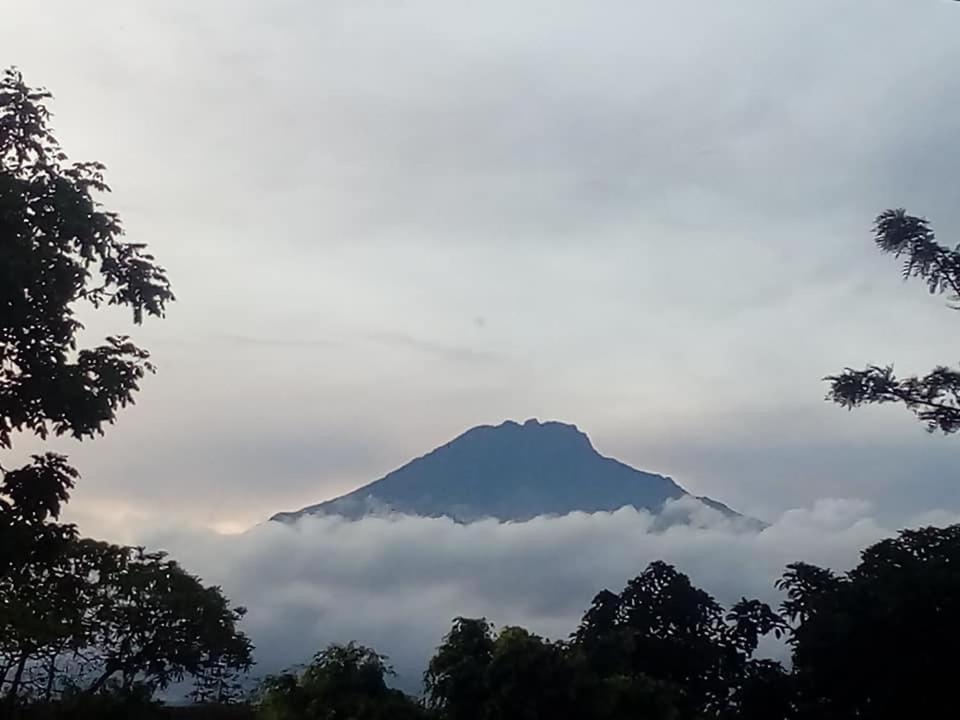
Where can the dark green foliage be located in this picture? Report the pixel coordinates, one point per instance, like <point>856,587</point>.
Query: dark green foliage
<point>456,680</point>
<point>665,630</point>
<point>528,677</point>
<point>343,681</point>
<point>116,707</point>
<point>910,237</point>
<point>765,691</point>
<point>100,617</point>
<point>661,649</point>
<point>935,397</point>
<point>60,248</point>
<point>676,634</point>
<point>623,697</point>
<point>233,711</point>
<point>514,675</point>
<point>30,499</point>
<point>598,640</point>
<point>93,707</point>
<point>87,629</point>
<point>211,711</point>
<point>873,644</point>
<point>877,643</point>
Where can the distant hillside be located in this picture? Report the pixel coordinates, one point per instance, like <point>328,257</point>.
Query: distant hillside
<point>510,472</point>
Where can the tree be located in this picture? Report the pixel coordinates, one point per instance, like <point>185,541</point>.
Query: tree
<point>155,623</point>
<point>677,632</point>
<point>935,397</point>
<point>518,675</point>
<point>456,680</point>
<point>77,615</point>
<point>667,635</point>
<point>878,642</point>
<point>104,616</point>
<point>529,678</point>
<point>59,250</point>
<point>342,681</point>
<point>598,638</point>
<point>765,691</point>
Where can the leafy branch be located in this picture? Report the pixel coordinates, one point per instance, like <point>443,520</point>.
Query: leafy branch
<point>935,397</point>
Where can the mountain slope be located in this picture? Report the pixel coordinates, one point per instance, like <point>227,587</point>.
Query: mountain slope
<point>510,472</point>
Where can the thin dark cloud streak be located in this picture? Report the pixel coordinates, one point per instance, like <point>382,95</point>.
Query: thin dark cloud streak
<point>382,338</point>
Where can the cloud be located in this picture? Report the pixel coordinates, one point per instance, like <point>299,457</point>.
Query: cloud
<point>396,583</point>
<point>661,211</point>
<point>658,213</point>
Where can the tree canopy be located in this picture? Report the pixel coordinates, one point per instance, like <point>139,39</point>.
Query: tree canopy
<point>78,617</point>
<point>59,249</point>
<point>877,642</point>
<point>872,643</point>
<point>935,397</point>
<point>99,617</point>
<point>342,681</point>
<point>660,649</point>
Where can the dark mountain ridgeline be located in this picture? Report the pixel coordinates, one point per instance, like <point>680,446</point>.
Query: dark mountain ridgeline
<point>510,472</point>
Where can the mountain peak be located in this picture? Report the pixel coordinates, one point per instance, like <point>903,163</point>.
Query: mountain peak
<point>510,472</point>
<point>531,434</point>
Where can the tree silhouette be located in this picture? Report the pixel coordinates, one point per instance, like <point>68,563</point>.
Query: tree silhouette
<point>342,681</point>
<point>875,643</point>
<point>529,678</point>
<point>878,642</point>
<point>59,250</point>
<point>935,397</point>
<point>456,680</point>
<point>79,616</point>
<point>100,616</point>
<point>664,628</point>
<point>518,675</point>
<point>662,649</point>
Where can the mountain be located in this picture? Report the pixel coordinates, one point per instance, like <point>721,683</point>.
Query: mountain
<point>510,472</point>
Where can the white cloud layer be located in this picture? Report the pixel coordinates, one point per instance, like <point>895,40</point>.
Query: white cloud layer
<point>396,583</point>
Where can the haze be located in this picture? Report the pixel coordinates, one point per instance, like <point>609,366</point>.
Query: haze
<point>388,222</point>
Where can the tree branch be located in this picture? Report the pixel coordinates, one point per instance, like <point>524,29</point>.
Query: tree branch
<point>932,398</point>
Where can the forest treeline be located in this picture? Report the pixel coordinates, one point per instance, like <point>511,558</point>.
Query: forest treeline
<point>90,629</point>
<point>876,642</point>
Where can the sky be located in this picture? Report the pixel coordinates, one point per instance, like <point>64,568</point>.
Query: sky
<point>387,222</point>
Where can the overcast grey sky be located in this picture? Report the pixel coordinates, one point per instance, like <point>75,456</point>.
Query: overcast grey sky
<point>388,222</point>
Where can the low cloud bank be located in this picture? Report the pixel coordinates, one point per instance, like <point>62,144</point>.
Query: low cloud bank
<point>395,583</point>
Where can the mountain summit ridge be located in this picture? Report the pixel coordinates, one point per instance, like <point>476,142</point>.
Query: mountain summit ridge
<point>510,472</point>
